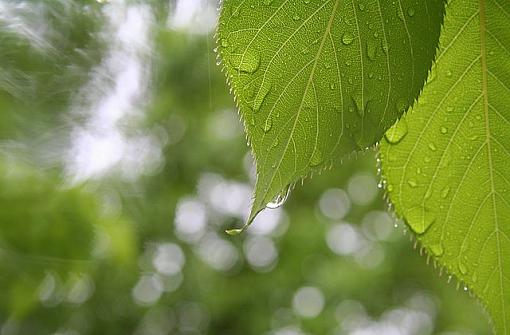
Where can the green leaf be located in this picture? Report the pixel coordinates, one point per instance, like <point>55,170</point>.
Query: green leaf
<point>318,79</point>
<point>446,164</point>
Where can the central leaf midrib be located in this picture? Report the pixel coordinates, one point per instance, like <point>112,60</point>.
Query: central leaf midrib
<point>310,78</point>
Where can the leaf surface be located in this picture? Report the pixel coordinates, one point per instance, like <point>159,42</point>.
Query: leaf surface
<point>447,163</point>
<point>318,79</point>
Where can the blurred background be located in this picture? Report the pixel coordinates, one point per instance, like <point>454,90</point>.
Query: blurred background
<point>122,162</point>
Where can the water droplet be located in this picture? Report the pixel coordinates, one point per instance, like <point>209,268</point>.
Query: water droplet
<point>420,219</point>
<point>372,49</point>
<point>412,183</point>
<point>389,188</point>
<point>444,130</point>
<point>437,250</point>
<point>358,103</point>
<point>432,147</point>
<point>410,12</point>
<point>445,191</point>
<point>280,198</point>
<point>428,194</point>
<point>275,143</point>
<point>268,124</point>
<point>397,132</point>
<point>261,95</point>
<point>247,62</point>
<point>463,268</point>
<point>347,38</point>
<point>448,73</point>
<point>332,86</point>
<point>316,158</point>
<point>224,43</point>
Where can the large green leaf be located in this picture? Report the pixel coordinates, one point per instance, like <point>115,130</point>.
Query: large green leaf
<point>318,79</point>
<point>447,163</point>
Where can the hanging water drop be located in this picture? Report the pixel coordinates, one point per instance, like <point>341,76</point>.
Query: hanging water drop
<point>280,198</point>
<point>234,232</point>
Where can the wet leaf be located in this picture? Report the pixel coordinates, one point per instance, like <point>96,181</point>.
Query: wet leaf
<point>317,80</point>
<point>449,176</point>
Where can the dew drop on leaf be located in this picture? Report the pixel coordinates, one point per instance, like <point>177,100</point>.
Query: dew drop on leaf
<point>372,49</point>
<point>419,219</point>
<point>247,62</point>
<point>316,158</point>
<point>445,191</point>
<point>463,268</point>
<point>437,250</point>
<point>397,132</point>
<point>280,198</point>
<point>261,96</point>
<point>347,38</point>
<point>358,103</point>
<point>268,124</point>
<point>410,12</point>
<point>412,183</point>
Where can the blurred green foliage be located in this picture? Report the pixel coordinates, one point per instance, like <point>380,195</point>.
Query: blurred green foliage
<point>148,254</point>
